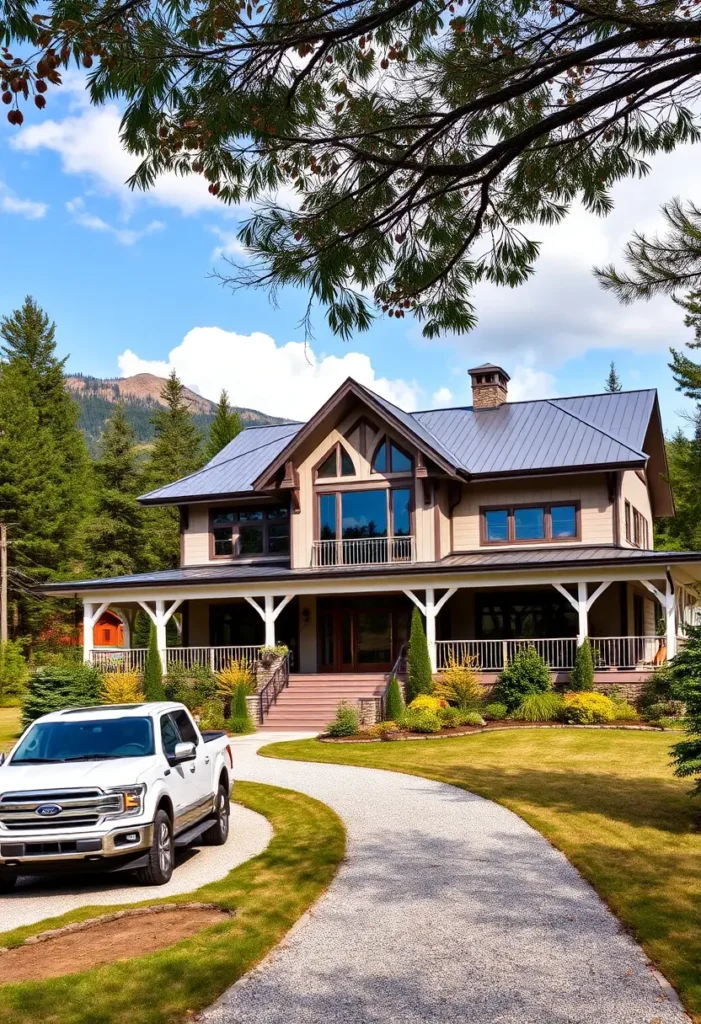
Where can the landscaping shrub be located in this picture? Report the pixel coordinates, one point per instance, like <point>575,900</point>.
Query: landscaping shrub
<point>212,715</point>
<point>625,712</point>
<point>192,687</point>
<point>395,703</point>
<point>153,671</point>
<point>450,717</point>
<point>121,688</point>
<point>588,708</point>
<point>346,722</point>
<point>13,673</point>
<point>471,718</point>
<point>459,684</point>
<point>427,702</point>
<point>667,709</point>
<point>662,686</point>
<point>539,707</point>
<point>495,712</point>
<point>582,675</point>
<point>381,730</point>
<point>526,673</point>
<point>240,721</point>
<point>421,720</point>
<point>686,680</point>
<point>52,689</point>
<point>419,674</point>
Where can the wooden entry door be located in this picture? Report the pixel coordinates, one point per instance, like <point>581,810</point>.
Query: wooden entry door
<point>363,637</point>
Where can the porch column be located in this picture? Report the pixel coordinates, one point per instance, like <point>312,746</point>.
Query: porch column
<point>583,610</point>
<point>91,616</point>
<point>269,614</point>
<point>670,617</point>
<point>160,618</point>
<point>430,609</point>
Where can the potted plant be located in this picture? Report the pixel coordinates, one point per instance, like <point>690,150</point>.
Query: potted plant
<point>268,655</point>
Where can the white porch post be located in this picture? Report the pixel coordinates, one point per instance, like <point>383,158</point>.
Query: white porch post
<point>670,617</point>
<point>269,620</point>
<point>126,630</point>
<point>430,610</point>
<point>161,642</point>
<point>91,615</point>
<point>583,631</point>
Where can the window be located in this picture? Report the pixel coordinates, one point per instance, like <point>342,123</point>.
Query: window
<point>530,523</point>
<point>637,527</point>
<point>188,733</point>
<point>359,514</point>
<point>106,635</point>
<point>628,518</point>
<point>337,463</point>
<point>169,735</point>
<point>389,458</point>
<point>250,531</point>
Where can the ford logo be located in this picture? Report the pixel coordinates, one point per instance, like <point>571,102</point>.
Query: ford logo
<point>49,810</point>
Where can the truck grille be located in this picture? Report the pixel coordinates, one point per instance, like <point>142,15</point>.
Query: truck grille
<point>78,808</point>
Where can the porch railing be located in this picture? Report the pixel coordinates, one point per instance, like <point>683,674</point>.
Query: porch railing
<point>628,651</point>
<point>611,652</point>
<point>119,659</point>
<point>363,551</point>
<point>272,689</point>
<point>213,658</point>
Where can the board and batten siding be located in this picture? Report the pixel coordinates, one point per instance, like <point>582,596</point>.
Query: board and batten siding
<point>634,490</point>
<point>195,539</point>
<point>591,491</point>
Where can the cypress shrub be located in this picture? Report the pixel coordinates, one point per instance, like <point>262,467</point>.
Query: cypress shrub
<point>240,721</point>
<point>153,672</point>
<point>419,675</point>
<point>582,675</point>
<point>395,704</point>
<point>55,688</point>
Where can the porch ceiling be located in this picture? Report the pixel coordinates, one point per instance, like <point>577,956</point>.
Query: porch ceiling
<point>569,563</point>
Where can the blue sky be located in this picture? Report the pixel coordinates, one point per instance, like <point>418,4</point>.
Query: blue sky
<point>125,277</point>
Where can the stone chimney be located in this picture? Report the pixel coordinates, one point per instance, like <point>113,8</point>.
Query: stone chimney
<point>490,386</point>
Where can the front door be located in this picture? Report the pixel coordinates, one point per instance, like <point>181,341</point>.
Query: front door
<point>361,637</point>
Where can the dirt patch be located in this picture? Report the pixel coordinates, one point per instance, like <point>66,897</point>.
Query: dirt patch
<point>103,941</point>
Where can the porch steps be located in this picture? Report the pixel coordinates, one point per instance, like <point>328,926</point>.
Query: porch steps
<point>310,701</point>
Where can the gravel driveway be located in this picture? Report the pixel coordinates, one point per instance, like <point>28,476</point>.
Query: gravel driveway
<point>36,898</point>
<point>448,908</point>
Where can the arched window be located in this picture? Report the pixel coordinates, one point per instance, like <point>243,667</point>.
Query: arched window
<point>337,463</point>
<point>390,458</point>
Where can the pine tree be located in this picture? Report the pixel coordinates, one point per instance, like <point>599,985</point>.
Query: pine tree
<point>153,671</point>
<point>419,674</point>
<point>613,381</point>
<point>682,531</point>
<point>582,674</point>
<point>686,674</point>
<point>177,451</point>
<point>225,426</point>
<point>115,534</point>
<point>395,705</point>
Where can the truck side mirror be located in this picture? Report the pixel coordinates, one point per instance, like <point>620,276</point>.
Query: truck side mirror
<point>183,752</point>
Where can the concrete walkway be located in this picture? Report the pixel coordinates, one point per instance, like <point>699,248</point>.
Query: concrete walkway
<point>448,909</point>
<point>36,898</point>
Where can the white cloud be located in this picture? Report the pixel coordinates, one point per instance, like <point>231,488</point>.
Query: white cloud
<point>527,383</point>
<point>28,208</point>
<point>229,246</point>
<point>125,236</point>
<point>442,396</point>
<point>286,380</point>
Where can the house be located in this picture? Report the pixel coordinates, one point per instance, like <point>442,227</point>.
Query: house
<point>108,631</point>
<point>503,522</point>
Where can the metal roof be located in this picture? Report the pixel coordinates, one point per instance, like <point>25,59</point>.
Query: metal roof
<point>589,431</point>
<point>233,470</point>
<point>468,562</point>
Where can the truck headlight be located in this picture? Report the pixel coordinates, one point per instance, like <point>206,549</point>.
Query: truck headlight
<point>132,800</point>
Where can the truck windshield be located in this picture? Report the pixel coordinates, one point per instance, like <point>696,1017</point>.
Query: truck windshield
<point>59,742</point>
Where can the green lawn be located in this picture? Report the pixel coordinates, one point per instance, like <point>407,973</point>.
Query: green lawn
<point>268,894</point>
<point>607,799</point>
<point>10,727</point>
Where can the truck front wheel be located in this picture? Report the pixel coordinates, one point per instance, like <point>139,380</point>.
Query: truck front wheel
<point>8,880</point>
<point>159,869</point>
<point>218,833</point>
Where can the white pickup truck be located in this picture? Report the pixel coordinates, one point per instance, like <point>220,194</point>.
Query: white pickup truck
<point>112,788</point>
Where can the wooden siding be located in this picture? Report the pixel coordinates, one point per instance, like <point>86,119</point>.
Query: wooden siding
<point>195,540</point>
<point>590,490</point>
<point>634,490</point>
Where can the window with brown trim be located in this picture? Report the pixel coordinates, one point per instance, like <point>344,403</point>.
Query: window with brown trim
<point>390,458</point>
<point>628,521</point>
<point>637,527</point>
<point>244,532</point>
<point>357,514</point>
<point>531,524</point>
<point>337,463</point>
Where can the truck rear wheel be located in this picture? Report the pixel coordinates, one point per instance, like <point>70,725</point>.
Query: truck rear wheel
<point>218,833</point>
<point>8,880</point>
<point>159,869</point>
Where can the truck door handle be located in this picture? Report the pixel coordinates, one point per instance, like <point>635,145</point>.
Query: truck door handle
<point>206,760</point>
<point>193,769</point>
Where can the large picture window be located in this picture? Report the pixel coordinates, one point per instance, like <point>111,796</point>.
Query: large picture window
<point>525,524</point>
<point>353,515</point>
<point>241,533</point>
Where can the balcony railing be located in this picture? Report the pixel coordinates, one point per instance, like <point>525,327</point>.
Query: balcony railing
<point>119,659</point>
<point>612,652</point>
<point>214,658</point>
<point>363,551</point>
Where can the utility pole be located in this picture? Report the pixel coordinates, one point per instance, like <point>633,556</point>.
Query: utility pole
<point>3,583</point>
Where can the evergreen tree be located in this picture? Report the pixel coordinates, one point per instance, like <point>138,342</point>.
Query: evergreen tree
<point>686,674</point>
<point>582,674</point>
<point>225,426</point>
<point>395,705</point>
<point>115,536</point>
<point>613,381</point>
<point>419,674</point>
<point>177,451</point>
<point>682,532</point>
<point>153,671</point>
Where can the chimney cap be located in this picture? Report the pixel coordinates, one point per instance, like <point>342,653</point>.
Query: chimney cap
<point>489,368</point>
